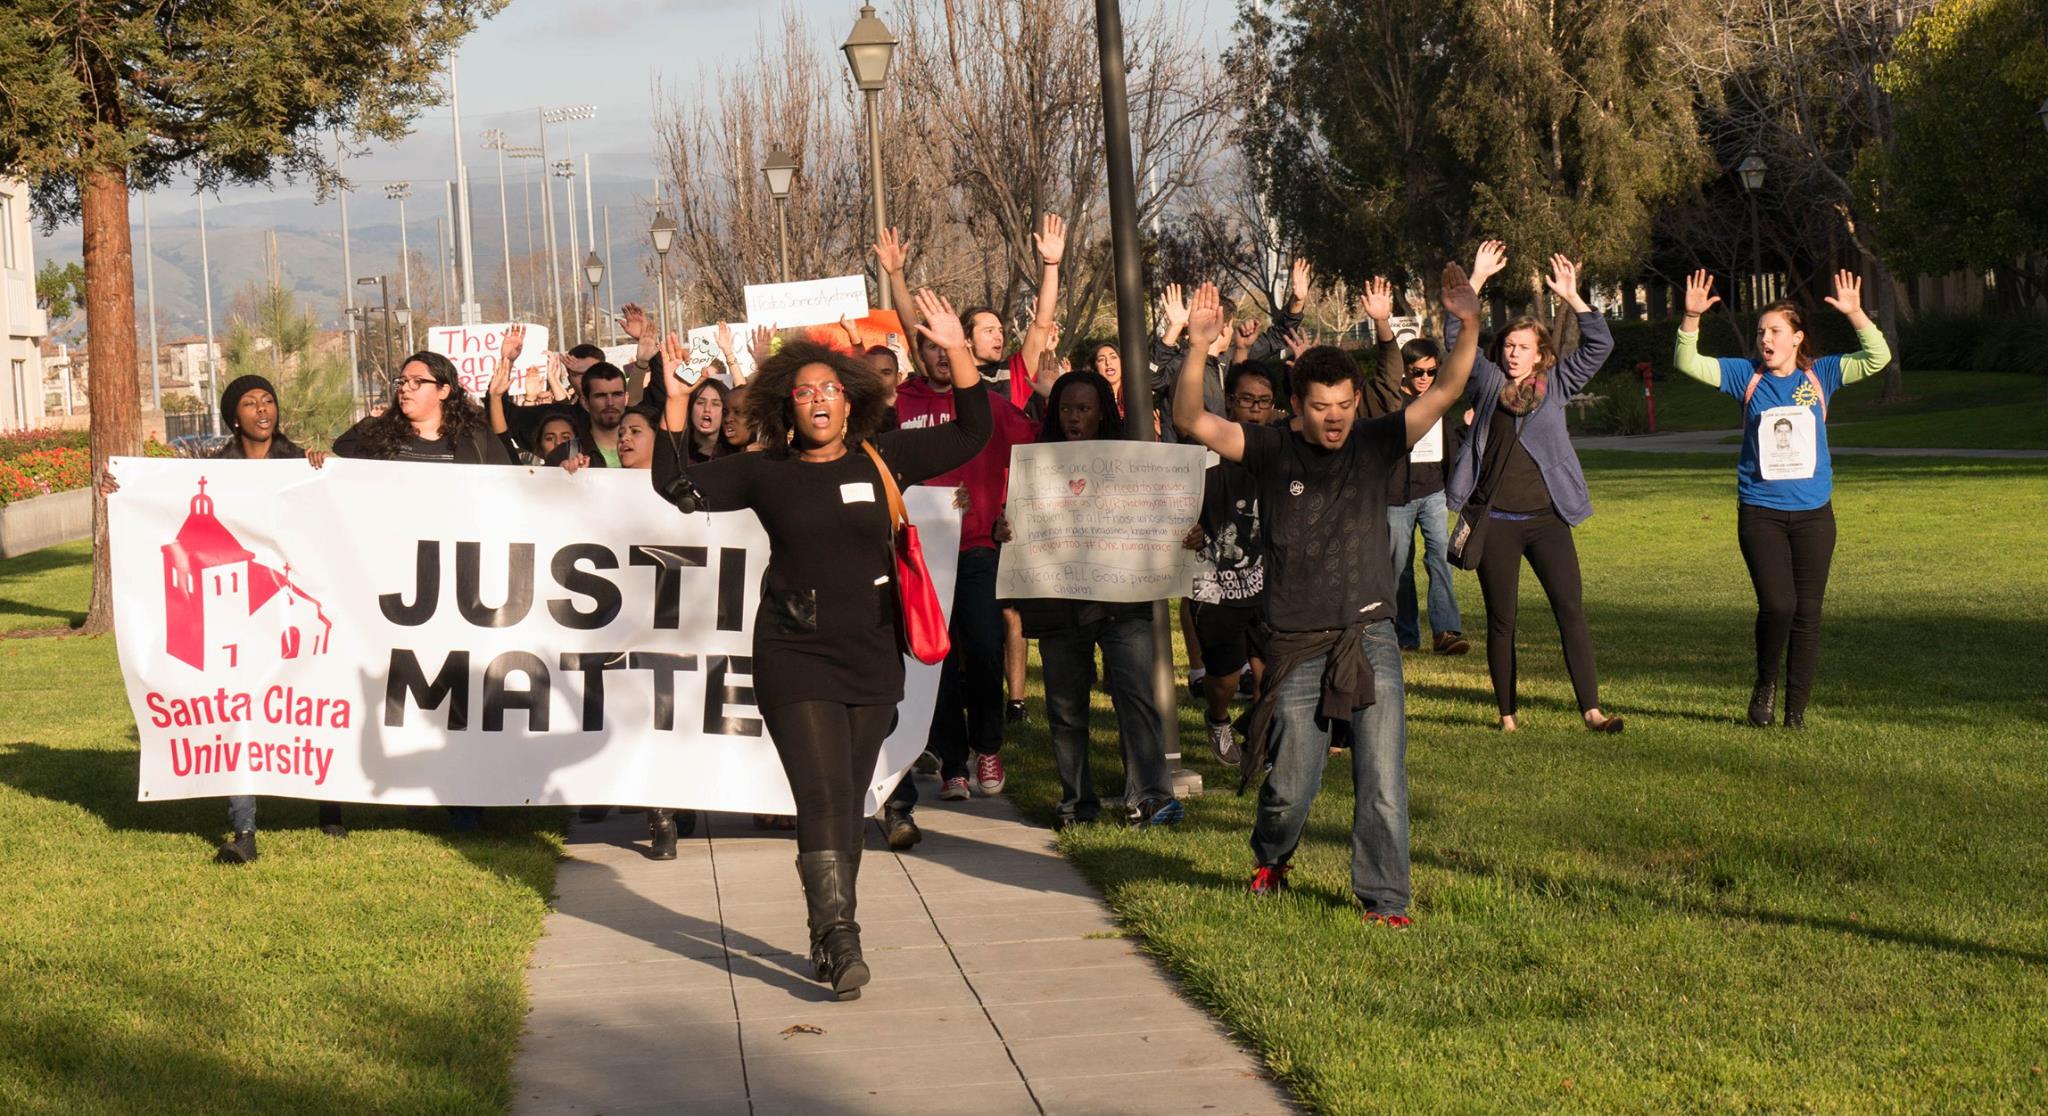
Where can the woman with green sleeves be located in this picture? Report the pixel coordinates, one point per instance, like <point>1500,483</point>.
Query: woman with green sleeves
<point>1784,481</point>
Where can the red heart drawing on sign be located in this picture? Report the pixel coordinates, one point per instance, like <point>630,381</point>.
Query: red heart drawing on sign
<point>1077,485</point>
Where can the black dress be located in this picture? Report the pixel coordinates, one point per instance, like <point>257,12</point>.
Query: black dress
<point>828,624</point>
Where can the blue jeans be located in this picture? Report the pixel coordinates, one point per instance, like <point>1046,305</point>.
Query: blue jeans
<point>1379,774</point>
<point>1067,662</point>
<point>1431,514</point>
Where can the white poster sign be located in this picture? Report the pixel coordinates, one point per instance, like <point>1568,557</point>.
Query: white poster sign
<point>1787,447</point>
<point>1429,448</point>
<point>810,302</point>
<point>703,342</point>
<point>1101,521</point>
<point>494,636</point>
<point>474,349</point>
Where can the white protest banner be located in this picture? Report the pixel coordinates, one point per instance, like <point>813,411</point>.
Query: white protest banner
<point>1101,521</point>
<point>810,302</point>
<point>474,349</point>
<point>456,634</point>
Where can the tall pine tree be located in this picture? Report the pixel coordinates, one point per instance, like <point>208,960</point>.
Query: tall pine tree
<point>102,96</point>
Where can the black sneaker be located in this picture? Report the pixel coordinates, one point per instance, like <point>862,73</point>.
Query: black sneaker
<point>1763,700</point>
<point>240,849</point>
<point>330,820</point>
<point>1015,713</point>
<point>900,830</point>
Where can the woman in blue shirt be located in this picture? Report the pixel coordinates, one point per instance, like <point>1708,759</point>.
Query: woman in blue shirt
<point>1784,482</point>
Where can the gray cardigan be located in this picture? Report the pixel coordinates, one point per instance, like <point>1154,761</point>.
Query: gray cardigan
<point>1542,430</point>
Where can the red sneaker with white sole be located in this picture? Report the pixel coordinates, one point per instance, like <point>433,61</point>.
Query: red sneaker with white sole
<point>989,777</point>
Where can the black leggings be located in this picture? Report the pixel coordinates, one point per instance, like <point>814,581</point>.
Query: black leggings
<point>1547,542</point>
<point>828,751</point>
<point>1788,553</point>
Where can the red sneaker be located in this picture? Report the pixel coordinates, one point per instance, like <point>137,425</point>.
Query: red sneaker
<point>953,790</point>
<point>1391,922</point>
<point>988,775</point>
<point>1270,879</point>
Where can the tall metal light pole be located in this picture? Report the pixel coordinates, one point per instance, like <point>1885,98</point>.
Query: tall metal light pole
<point>384,296</point>
<point>398,192</point>
<point>156,378</point>
<point>868,49</point>
<point>547,204</point>
<point>533,301</point>
<point>1751,171</point>
<point>348,279</point>
<point>780,170</point>
<point>611,286</point>
<point>206,282</point>
<point>565,169</point>
<point>1130,326</point>
<point>663,233</point>
<point>459,220</point>
<point>494,140</point>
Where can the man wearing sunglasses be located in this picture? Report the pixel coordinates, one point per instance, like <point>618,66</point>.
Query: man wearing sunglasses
<point>1415,498</point>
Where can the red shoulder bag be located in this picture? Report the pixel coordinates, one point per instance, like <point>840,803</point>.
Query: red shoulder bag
<point>924,622</point>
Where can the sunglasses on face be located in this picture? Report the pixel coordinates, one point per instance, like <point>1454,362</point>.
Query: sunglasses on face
<point>806,393</point>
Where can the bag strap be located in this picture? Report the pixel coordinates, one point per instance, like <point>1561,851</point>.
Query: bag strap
<point>1758,377</point>
<point>897,516</point>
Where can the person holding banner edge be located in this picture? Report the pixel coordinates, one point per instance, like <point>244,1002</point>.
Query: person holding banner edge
<point>828,660</point>
<point>1331,651</point>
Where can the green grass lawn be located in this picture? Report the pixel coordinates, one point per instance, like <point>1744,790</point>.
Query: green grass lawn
<point>1694,915</point>
<point>381,973</point>
<point>1690,916</point>
<point>1942,410</point>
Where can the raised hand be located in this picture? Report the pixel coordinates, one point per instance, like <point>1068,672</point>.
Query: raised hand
<point>723,337</point>
<point>675,358</point>
<point>940,323</point>
<point>1298,279</point>
<point>852,334</point>
<point>1699,293</point>
<point>890,252</point>
<point>633,320</point>
<point>558,377</point>
<point>1174,306</point>
<point>1298,342</point>
<point>1490,260</point>
<point>1051,239</point>
<point>1564,277</point>
<point>512,344</point>
<point>1459,297</point>
<point>1205,317</point>
<point>1377,303</point>
<point>1848,296</point>
<point>763,344</point>
<point>501,376</point>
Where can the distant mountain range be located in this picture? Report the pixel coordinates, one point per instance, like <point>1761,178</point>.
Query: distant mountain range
<point>309,247</point>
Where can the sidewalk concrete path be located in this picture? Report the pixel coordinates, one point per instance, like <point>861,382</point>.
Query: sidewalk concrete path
<point>1713,441</point>
<point>1000,986</point>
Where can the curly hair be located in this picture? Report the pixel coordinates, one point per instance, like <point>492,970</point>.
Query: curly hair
<point>771,412</point>
<point>1105,398</point>
<point>460,417</point>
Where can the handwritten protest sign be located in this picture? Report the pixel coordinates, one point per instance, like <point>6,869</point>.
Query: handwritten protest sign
<point>1101,521</point>
<point>474,349</point>
<point>809,302</point>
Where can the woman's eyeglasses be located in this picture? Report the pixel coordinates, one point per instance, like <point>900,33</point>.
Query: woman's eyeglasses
<point>806,393</point>
<point>409,383</point>
<point>1253,402</point>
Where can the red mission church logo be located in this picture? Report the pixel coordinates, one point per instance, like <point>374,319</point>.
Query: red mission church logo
<point>217,597</point>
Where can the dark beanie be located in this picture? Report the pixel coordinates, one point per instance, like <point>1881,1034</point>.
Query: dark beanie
<point>231,398</point>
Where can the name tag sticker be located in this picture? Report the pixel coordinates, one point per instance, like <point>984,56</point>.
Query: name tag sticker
<point>860,492</point>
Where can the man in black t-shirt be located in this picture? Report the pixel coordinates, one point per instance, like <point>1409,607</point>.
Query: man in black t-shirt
<point>1331,652</point>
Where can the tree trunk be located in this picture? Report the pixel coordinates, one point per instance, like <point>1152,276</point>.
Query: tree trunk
<point>1888,320</point>
<point>110,337</point>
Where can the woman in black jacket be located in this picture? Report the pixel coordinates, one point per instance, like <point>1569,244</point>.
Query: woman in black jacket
<point>828,661</point>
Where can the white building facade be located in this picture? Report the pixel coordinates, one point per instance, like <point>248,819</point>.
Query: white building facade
<point>22,323</point>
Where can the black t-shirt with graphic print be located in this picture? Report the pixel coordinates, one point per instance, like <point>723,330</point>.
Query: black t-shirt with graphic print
<point>1326,523</point>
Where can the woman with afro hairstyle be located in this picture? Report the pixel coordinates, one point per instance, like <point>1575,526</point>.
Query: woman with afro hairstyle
<point>828,659</point>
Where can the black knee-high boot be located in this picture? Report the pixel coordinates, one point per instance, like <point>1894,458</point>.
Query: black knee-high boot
<point>828,877</point>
